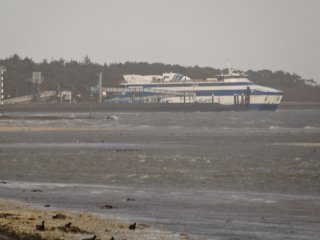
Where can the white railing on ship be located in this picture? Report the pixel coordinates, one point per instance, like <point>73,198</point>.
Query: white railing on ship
<point>150,90</point>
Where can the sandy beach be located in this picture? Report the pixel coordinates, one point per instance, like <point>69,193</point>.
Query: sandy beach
<point>22,221</point>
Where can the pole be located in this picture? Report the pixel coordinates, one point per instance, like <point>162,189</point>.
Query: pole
<point>100,87</point>
<point>38,94</point>
<point>90,102</point>
<point>33,90</point>
<point>248,97</point>
<point>2,70</point>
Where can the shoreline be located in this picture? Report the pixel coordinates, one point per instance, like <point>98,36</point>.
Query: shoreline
<point>22,220</point>
<point>267,209</point>
<point>85,107</point>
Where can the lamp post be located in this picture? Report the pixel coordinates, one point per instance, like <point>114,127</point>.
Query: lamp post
<point>91,95</point>
<point>2,70</point>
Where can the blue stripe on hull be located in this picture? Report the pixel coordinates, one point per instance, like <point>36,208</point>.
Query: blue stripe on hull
<point>186,84</point>
<point>205,93</point>
<point>232,92</point>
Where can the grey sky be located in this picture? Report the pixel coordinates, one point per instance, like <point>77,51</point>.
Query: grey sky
<point>250,34</point>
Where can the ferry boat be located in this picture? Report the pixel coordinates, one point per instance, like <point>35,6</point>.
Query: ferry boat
<point>231,91</point>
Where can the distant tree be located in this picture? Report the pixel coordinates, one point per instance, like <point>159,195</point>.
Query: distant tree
<point>78,77</point>
<point>86,61</point>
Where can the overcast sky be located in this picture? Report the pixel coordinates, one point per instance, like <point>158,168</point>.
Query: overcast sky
<point>250,34</point>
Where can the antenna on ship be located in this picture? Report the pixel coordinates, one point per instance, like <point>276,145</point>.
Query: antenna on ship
<point>230,69</point>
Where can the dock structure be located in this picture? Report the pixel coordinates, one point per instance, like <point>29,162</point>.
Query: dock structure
<point>242,101</point>
<point>28,98</point>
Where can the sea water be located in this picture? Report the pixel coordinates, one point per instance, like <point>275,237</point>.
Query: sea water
<point>221,175</point>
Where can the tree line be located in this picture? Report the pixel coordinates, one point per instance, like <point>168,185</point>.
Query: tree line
<point>79,76</point>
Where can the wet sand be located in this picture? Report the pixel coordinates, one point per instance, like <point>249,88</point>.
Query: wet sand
<point>21,221</point>
<point>228,214</point>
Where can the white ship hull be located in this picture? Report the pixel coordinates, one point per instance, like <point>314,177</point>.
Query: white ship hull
<point>227,90</point>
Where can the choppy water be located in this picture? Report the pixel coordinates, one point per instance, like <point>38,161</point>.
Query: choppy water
<point>283,119</point>
<point>214,174</point>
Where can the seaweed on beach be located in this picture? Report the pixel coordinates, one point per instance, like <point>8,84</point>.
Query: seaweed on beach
<point>69,228</point>
<point>20,221</point>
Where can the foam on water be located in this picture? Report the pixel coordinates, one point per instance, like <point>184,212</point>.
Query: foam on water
<point>144,177</point>
<point>298,144</point>
<point>243,122</point>
<point>95,145</point>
